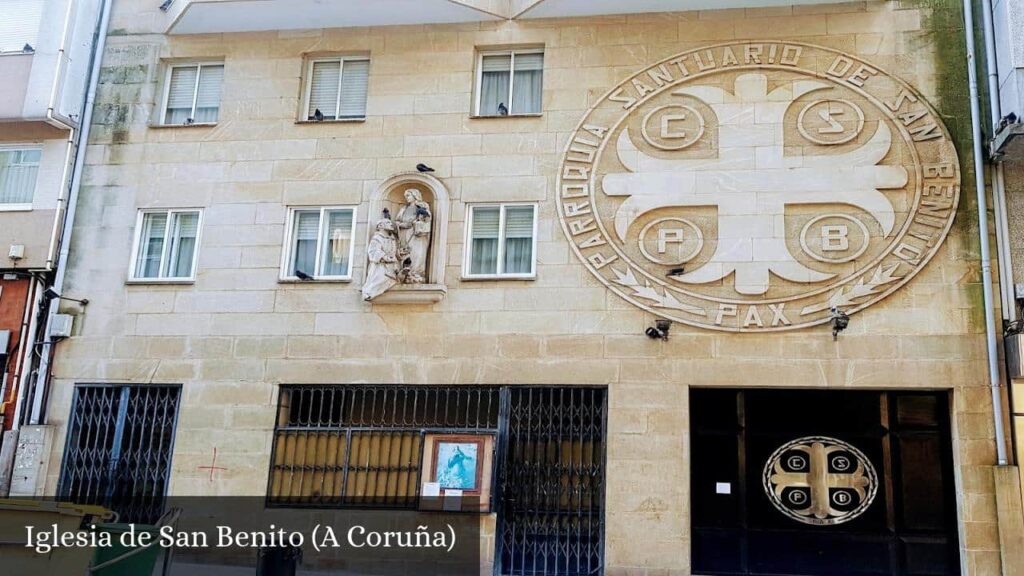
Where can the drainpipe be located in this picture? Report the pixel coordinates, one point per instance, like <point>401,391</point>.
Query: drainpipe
<point>986,263</point>
<point>96,60</point>
<point>54,118</point>
<point>1009,300</point>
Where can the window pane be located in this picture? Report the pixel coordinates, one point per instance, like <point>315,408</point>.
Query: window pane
<point>337,243</point>
<point>518,240</point>
<point>354,80</point>
<point>494,79</point>
<point>484,241</point>
<point>180,94</point>
<point>20,24</point>
<point>307,224</point>
<point>18,172</point>
<point>184,230</point>
<point>528,87</point>
<point>211,79</point>
<point>323,91</point>
<point>151,245</point>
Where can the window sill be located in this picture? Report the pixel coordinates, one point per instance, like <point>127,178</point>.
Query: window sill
<point>159,281</point>
<point>499,278</point>
<point>314,281</point>
<point>15,207</point>
<point>506,116</point>
<point>193,125</point>
<point>338,121</point>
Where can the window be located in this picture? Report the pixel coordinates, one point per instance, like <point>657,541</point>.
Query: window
<point>19,28</point>
<point>166,244</point>
<point>336,89</point>
<point>319,244</point>
<point>192,93</point>
<point>502,241</point>
<point>18,170</point>
<point>356,445</point>
<point>510,83</point>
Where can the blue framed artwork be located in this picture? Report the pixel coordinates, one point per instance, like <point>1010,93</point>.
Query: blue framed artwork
<point>459,466</point>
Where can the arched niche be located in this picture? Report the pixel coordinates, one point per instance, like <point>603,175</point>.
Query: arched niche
<point>390,194</point>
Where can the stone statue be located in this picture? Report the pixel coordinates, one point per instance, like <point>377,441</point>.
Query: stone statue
<point>382,253</point>
<point>414,226</point>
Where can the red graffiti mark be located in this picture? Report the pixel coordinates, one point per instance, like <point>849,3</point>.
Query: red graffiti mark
<point>213,465</point>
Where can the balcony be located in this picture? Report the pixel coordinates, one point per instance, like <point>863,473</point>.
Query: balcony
<point>214,16</point>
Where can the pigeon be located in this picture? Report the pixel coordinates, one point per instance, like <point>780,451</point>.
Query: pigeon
<point>423,168</point>
<point>28,48</point>
<point>502,109</point>
<point>676,271</point>
<point>302,275</point>
<point>318,115</point>
<point>386,214</point>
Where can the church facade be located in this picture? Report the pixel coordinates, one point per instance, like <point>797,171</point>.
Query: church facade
<point>668,293</point>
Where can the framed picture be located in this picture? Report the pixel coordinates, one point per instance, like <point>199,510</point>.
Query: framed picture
<point>457,472</point>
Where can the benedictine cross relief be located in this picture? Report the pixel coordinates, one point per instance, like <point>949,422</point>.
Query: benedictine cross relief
<point>213,468</point>
<point>752,180</point>
<point>819,480</point>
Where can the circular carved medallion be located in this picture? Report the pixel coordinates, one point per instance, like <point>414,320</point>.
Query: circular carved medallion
<point>820,481</point>
<point>785,179</point>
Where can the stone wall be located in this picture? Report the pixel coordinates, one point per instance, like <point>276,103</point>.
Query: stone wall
<point>237,332</point>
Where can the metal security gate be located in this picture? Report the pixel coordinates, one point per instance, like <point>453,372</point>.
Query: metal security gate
<point>118,450</point>
<point>551,492</point>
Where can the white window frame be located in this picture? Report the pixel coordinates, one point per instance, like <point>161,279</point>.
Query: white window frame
<point>287,275</point>
<point>511,81</point>
<point>195,91</point>
<point>22,206</point>
<point>308,88</point>
<point>133,264</point>
<point>467,258</point>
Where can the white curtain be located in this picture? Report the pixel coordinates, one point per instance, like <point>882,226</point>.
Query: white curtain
<point>354,78</point>
<point>184,229</point>
<point>151,245</point>
<point>518,240</point>
<point>494,84</point>
<point>180,94</point>
<point>527,90</point>
<point>484,241</point>
<point>336,243</point>
<point>18,172</point>
<point>323,89</point>
<point>211,79</point>
<point>307,225</point>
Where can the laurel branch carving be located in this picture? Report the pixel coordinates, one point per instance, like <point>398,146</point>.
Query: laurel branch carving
<point>881,277</point>
<point>648,292</point>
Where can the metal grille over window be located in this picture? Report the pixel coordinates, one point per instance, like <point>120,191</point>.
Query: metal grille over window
<point>361,446</point>
<point>118,452</point>
<point>550,516</point>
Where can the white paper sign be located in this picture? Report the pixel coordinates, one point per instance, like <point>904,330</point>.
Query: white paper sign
<point>452,500</point>
<point>723,488</point>
<point>431,489</point>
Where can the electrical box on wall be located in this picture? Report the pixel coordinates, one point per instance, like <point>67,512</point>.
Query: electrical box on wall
<point>16,252</point>
<point>1014,355</point>
<point>61,326</point>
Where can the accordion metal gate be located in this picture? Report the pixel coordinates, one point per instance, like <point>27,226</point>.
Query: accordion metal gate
<point>118,450</point>
<point>551,492</point>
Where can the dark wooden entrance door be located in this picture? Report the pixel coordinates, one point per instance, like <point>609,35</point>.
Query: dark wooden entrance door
<point>907,528</point>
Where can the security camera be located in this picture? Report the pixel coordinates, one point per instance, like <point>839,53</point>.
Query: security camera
<point>659,330</point>
<point>840,320</point>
